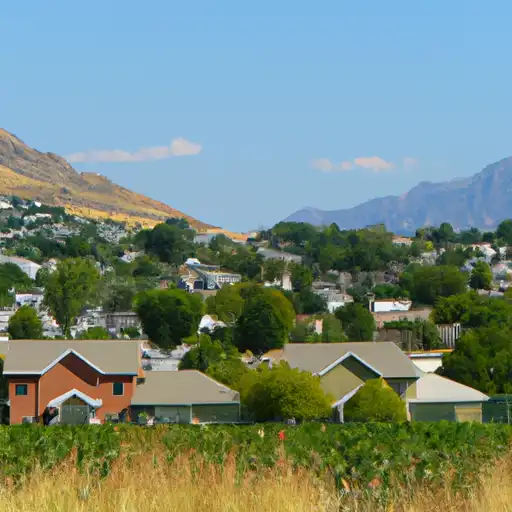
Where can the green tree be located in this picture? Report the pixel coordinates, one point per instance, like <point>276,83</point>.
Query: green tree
<point>273,270</point>
<point>203,354</point>
<point>261,326</point>
<point>25,325</point>
<point>11,276</point>
<point>357,321</point>
<point>132,332</point>
<point>168,316</point>
<point>78,247</point>
<point>42,277</point>
<point>219,361</point>
<point>94,333</point>
<point>169,243</point>
<point>482,359</point>
<point>301,276</point>
<point>332,330</point>
<point>301,332</point>
<point>281,393</point>
<point>228,303</point>
<point>387,291</point>
<point>68,290</point>
<point>310,303</point>
<point>425,284</point>
<point>481,276</point>
<point>375,401</point>
<point>472,310</point>
<point>145,266</point>
<point>504,231</point>
<point>120,299</point>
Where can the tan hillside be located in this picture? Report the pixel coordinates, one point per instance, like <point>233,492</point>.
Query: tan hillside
<point>50,179</point>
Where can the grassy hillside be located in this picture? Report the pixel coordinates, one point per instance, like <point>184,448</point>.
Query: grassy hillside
<point>48,178</point>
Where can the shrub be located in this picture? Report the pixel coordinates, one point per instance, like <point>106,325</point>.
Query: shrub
<point>375,401</point>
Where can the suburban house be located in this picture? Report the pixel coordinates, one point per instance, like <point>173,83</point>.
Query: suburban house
<point>428,361</point>
<point>438,398</point>
<point>344,367</point>
<point>387,305</point>
<point>29,267</point>
<point>187,396</point>
<point>272,254</point>
<point>96,380</point>
<point>381,318</point>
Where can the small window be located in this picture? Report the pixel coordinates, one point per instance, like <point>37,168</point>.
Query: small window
<point>118,389</point>
<point>21,389</point>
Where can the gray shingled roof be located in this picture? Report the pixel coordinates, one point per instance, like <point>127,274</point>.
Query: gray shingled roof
<point>109,356</point>
<point>385,356</point>
<point>186,387</point>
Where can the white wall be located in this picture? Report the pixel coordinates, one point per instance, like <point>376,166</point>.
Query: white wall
<point>397,305</point>
<point>428,364</point>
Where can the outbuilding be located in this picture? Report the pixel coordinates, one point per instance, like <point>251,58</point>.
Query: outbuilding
<point>438,398</point>
<point>186,396</point>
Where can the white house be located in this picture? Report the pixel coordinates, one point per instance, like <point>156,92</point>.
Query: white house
<point>29,267</point>
<point>386,305</point>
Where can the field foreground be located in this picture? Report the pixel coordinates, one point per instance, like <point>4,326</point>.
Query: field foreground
<point>416,467</point>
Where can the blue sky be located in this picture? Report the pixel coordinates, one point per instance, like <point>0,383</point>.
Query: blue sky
<point>249,111</point>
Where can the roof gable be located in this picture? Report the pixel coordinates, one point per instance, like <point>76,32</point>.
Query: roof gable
<point>385,358</point>
<point>184,387</point>
<point>343,358</point>
<point>114,357</point>
<point>431,387</point>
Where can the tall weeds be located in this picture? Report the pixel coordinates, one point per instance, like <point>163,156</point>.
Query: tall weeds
<point>147,483</point>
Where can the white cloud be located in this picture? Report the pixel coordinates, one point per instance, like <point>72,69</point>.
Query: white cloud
<point>323,164</point>
<point>346,166</point>
<point>409,162</point>
<point>178,147</point>
<point>374,163</point>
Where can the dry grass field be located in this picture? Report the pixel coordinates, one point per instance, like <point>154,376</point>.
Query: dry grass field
<point>146,484</point>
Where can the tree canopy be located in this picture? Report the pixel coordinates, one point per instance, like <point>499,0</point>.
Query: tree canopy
<point>281,393</point>
<point>481,276</point>
<point>375,401</point>
<point>25,325</point>
<point>168,316</point>
<point>357,321</point>
<point>220,361</point>
<point>69,288</point>
<point>261,326</point>
<point>169,242</point>
<point>482,359</point>
<point>425,284</point>
<point>472,310</point>
<point>94,333</point>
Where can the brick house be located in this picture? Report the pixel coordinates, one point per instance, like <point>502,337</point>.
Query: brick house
<point>79,377</point>
<point>97,379</point>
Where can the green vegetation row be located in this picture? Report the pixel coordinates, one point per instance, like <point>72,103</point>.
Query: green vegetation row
<point>357,455</point>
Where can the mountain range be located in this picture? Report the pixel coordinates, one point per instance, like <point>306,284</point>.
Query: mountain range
<point>480,201</point>
<point>50,179</point>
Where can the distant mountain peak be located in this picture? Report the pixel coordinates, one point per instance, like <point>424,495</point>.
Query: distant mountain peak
<point>481,201</point>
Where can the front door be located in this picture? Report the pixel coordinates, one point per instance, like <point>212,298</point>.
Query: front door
<point>74,412</point>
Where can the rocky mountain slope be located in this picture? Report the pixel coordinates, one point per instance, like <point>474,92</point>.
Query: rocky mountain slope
<point>48,178</point>
<point>481,201</point>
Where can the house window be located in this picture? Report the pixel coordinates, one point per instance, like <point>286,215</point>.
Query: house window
<point>21,389</point>
<point>118,389</point>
